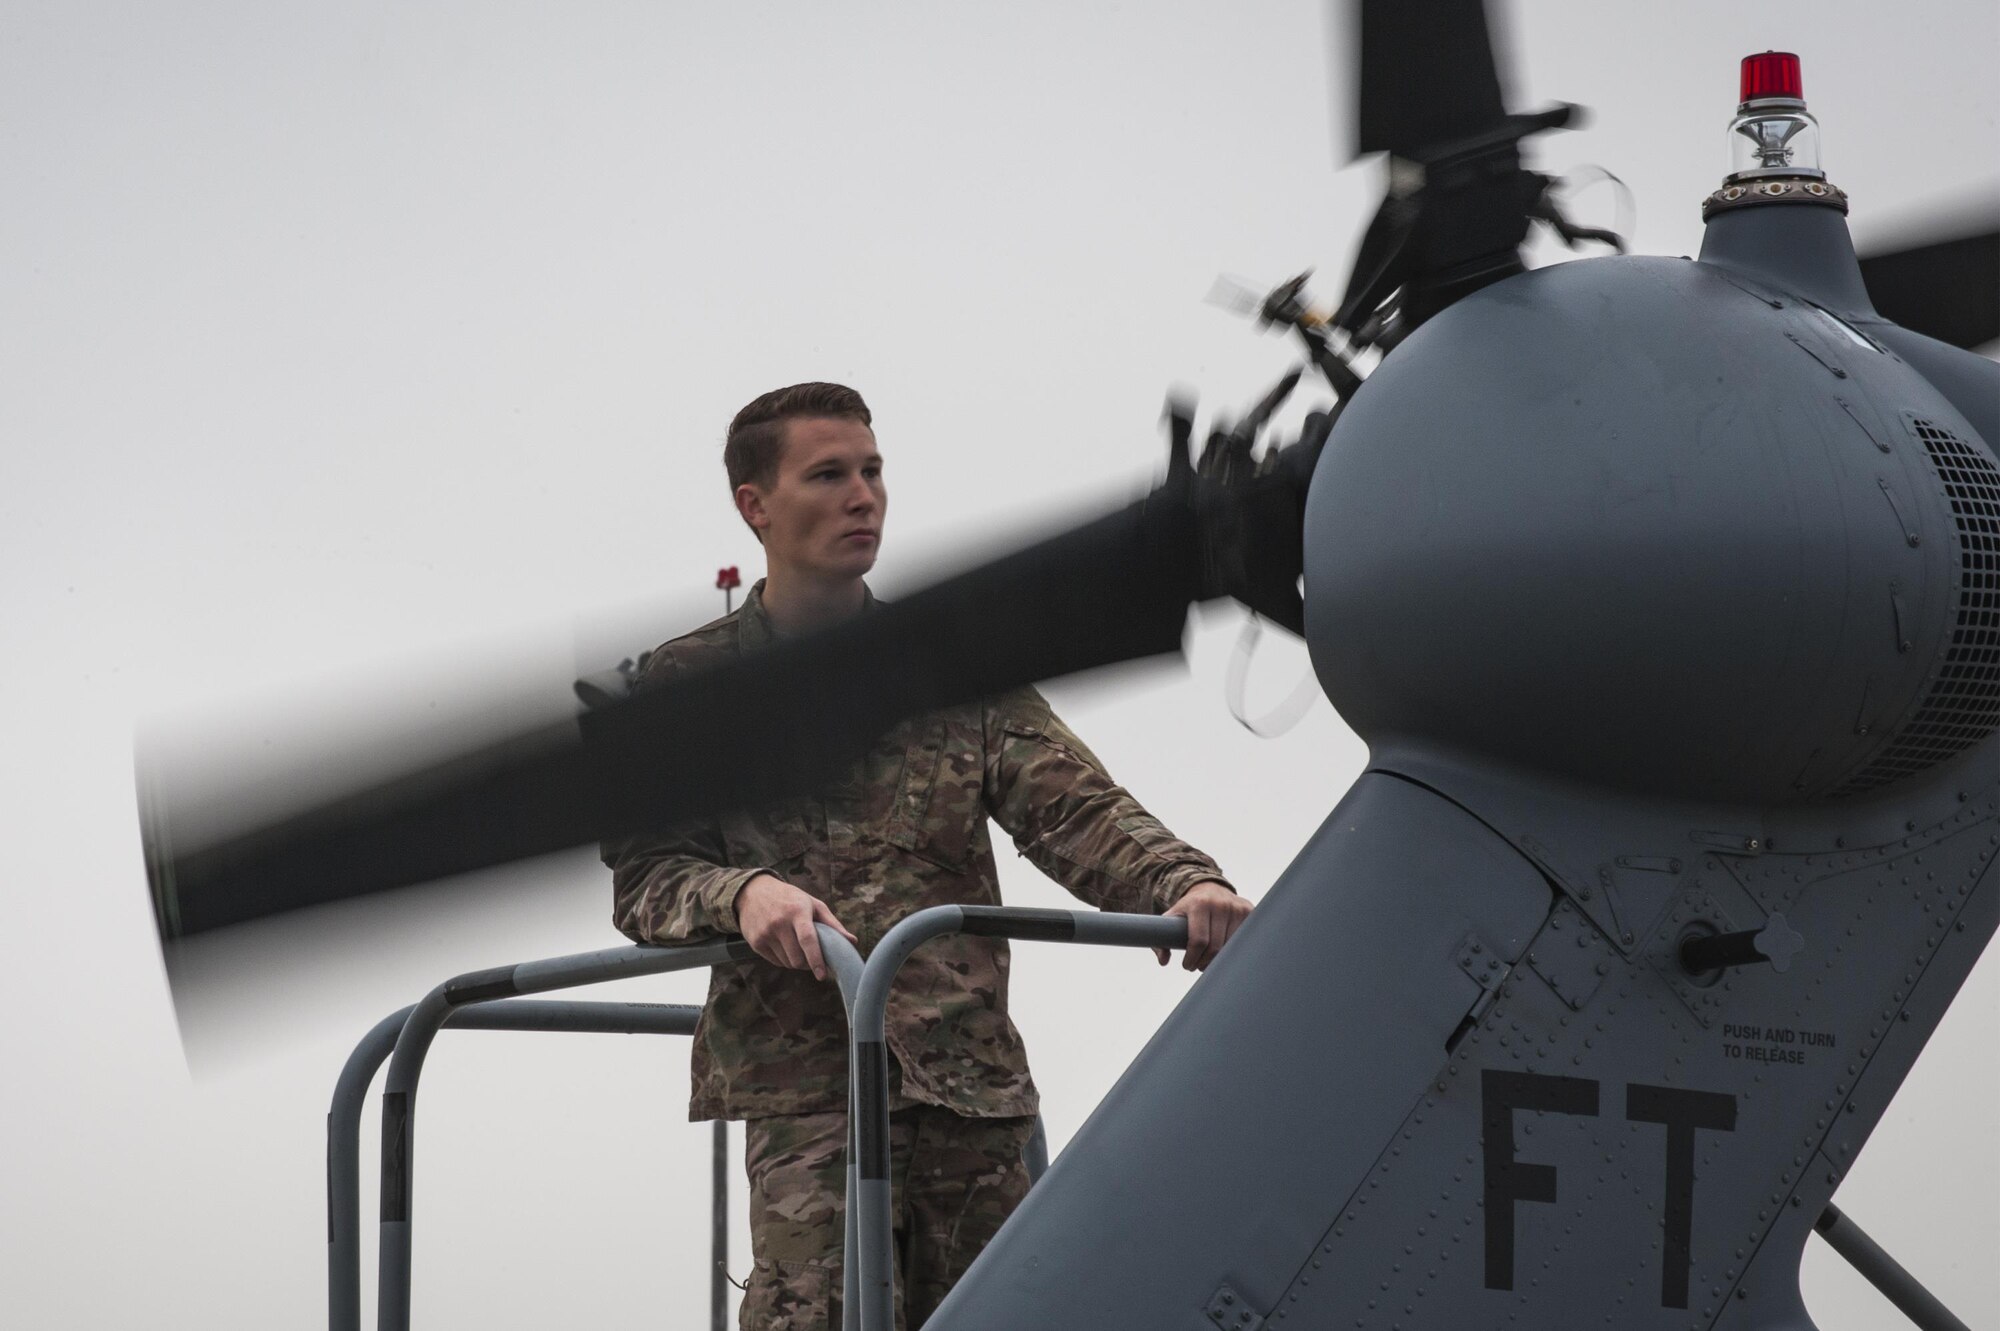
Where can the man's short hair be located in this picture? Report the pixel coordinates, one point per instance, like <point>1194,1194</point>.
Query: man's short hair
<point>757,435</point>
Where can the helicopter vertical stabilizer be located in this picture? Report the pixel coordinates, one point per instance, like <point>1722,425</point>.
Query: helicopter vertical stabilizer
<point>1221,1161</point>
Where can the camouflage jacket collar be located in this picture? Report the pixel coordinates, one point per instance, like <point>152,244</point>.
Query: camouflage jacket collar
<point>753,623</point>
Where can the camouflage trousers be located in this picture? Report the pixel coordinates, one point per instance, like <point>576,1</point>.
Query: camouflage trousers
<point>954,1180</point>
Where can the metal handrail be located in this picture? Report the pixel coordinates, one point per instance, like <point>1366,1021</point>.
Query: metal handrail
<point>413,1041</point>
<point>481,1001</point>
<point>870,1220</point>
<point>343,1119</point>
<point>1885,1273</point>
<point>847,971</point>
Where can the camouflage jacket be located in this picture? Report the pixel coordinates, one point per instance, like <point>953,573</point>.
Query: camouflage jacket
<point>905,829</point>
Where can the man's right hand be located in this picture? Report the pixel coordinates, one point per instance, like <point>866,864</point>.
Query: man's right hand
<point>777,920</point>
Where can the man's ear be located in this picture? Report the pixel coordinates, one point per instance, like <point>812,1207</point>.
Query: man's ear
<point>750,506</point>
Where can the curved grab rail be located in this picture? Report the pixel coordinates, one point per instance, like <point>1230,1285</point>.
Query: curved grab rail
<point>343,1119</point>
<point>413,1042</point>
<point>847,971</point>
<point>868,1208</point>
<point>1885,1273</point>
<point>481,1001</point>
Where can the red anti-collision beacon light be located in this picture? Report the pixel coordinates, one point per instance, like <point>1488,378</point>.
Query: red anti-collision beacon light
<point>1773,140</point>
<point>1772,74</point>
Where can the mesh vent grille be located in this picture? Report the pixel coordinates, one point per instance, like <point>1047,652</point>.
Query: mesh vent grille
<point>1963,704</point>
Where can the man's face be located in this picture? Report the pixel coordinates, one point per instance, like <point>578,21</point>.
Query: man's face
<point>822,513</point>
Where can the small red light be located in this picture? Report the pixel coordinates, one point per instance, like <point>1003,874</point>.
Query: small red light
<point>1772,74</point>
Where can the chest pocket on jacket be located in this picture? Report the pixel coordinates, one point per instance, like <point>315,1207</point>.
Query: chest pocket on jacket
<point>938,806</point>
<point>767,839</point>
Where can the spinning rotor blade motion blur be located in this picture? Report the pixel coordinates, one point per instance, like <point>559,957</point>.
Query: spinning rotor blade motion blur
<point>1947,288</point>
<point>779,722</point>
<point>1459,200</point>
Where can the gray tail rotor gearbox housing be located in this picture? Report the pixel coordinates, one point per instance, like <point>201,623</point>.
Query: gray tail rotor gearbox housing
<point>1644,523</point>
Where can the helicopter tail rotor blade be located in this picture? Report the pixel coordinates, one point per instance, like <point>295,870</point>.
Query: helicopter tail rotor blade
<point>1948,288</point>
<point>780,721</point>
<point>1426,76</point>
<point>1459,200</point>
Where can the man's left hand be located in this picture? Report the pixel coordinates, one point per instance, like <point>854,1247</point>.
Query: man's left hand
<point>1213,913</point>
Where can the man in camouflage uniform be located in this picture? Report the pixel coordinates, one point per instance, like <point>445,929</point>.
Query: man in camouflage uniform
<point>905,829</point>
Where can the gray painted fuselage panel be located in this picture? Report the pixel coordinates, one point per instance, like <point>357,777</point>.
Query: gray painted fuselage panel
<point>1225,1152</point>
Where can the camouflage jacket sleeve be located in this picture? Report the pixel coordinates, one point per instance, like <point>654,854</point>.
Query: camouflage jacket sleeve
<point>1073,821</point>
<point>673,885</point>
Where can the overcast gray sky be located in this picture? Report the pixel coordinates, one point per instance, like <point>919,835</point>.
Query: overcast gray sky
<point>365,337</point>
